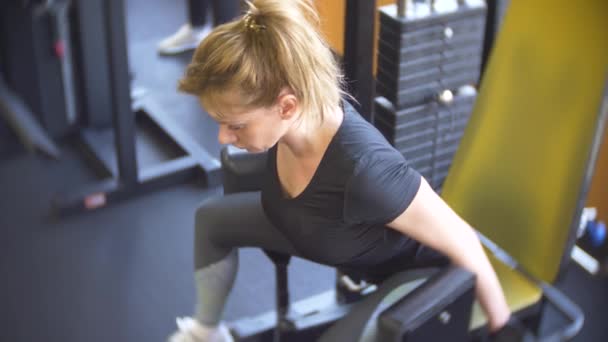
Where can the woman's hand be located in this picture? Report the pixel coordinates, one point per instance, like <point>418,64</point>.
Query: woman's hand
<point>513,331</point>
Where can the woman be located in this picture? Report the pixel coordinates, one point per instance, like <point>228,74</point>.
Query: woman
<point>335,192</point>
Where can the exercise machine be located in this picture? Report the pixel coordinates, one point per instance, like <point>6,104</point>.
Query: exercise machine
<point>106,89</point>
<point>75,74</point>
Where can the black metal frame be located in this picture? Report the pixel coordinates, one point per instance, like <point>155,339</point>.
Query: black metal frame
<point>306,320</point>
<point>495,15</point>
<point>358,56</point>
<point>106,88</point>
<point>598,138</point>
<point>33,66</point>
<point>23,122</point>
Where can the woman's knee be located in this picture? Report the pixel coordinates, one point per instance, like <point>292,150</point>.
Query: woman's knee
<point>207,220</point>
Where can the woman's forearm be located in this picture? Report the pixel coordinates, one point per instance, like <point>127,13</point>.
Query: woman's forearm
<point>489,293</point>
<point>429,220</point>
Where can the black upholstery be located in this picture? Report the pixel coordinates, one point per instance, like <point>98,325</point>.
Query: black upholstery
<point>448,296</point>
<point>242,171</point>
<point>406,301</point>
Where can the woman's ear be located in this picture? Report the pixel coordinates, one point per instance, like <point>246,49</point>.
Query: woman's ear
<point>288,106</point>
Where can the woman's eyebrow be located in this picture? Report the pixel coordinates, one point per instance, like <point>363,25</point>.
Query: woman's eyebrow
<point>221,119</point>
<point>217,116</point>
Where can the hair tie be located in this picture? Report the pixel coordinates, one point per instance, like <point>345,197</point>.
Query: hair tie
<point>251,24</point>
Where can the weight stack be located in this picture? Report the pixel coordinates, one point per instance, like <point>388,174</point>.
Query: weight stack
<point>427,134</point>
<point>429,56</point>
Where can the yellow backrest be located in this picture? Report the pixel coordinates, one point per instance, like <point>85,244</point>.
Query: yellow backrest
<point>519,174</point>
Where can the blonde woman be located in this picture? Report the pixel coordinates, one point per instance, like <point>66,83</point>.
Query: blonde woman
<point>335,191</point>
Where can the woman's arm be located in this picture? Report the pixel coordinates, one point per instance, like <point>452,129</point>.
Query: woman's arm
<point>430,221</point>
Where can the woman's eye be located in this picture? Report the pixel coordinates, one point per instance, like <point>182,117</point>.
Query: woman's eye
<point>235,127</point>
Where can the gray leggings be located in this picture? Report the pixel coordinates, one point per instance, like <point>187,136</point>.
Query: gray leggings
<point>222,224</point>
<point>231,221</point>
<point>225,223</point>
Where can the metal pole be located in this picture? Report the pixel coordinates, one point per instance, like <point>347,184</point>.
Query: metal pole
<point>123,117</point>
<point>359,53</point>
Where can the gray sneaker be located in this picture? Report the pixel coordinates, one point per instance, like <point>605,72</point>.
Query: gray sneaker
<point>185,39</point>
<point>190,330</point>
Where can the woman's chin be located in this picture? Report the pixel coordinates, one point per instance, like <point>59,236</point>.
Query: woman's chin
<point>255,149</point>
<point>251,149</point>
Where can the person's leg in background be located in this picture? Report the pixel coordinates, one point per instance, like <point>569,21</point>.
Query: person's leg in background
<point>189,35</point>
<point>196,29</point>
<point>218,234</point>
<point>197,13</point>
<point>225,10</point>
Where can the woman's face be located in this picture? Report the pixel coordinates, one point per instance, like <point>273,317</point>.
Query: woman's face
<point>255,130</point>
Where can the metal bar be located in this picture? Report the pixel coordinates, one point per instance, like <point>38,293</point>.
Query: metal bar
<point>490,35</point>
<point>87,198</point>
<point>124,119</point>
<point>359,53</point>
<point>167,168</point>
<point>20,117</point>
<point>312,313</point>
<point>93,145</point>
<point>60,12</point>
<point>210,164</point>
<point>567,308</point>
<point>111,191</point>
<point>282,298</point>
<point>94,66</point>
<point>592,158</point>
<point>402,6</point>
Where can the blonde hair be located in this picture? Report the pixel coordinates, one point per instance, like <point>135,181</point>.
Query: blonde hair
<point>275,44</point>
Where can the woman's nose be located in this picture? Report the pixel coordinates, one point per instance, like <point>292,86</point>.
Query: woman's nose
<point>225,136</point>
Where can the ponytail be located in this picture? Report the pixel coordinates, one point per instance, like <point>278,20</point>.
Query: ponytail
<point>273,45</point>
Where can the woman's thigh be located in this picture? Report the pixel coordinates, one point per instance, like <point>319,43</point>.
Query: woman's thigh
<point>235,220</point>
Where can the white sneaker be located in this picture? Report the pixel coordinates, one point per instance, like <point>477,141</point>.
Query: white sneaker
<point>190,330</point>
<point>186,38</point>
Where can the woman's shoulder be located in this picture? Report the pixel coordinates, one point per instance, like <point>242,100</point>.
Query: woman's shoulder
<point>361,142</point>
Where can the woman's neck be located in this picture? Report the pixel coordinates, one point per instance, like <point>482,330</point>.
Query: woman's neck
<point>306,142</point>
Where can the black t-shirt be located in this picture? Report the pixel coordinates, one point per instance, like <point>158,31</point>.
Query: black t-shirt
<point>361,184</point>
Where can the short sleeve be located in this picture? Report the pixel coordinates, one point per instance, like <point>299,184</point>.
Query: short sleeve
<point>381,188</point>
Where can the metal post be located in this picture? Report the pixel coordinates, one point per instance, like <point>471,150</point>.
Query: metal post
<point>123,117</point>
<point>402,6</point>
<point>359,53</point>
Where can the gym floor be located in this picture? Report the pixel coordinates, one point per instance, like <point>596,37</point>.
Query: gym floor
<point>124,273</point>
